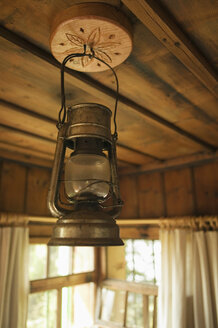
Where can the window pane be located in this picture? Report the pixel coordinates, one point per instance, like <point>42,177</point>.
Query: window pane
<point>42,310</point>
<point>60,261</point>
<point>143,260</point>
<point>67,260</point>
<point>83,259</point>
<point>113,305</point>
<point>77,306</point>
<point>37,261</point>
<point>135,311</point>
<point>157,259</point>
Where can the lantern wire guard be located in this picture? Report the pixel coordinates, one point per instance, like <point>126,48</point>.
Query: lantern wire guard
<point>91,223</point>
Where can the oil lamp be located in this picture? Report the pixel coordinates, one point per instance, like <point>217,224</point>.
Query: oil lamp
<point>84,189</point>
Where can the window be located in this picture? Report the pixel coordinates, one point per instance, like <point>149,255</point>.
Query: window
<point>143,260</point>
<point>133,303</point>
<point>143,264</point>
<point>62,287</point>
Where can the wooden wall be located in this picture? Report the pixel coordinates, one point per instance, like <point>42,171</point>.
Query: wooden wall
<point>23,189</point>
<point>180,192</point>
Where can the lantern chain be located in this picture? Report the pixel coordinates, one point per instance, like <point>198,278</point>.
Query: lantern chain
<point>63,111</point>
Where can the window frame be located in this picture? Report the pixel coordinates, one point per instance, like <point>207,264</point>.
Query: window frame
<point>127,287</point>
<point>72,280</point>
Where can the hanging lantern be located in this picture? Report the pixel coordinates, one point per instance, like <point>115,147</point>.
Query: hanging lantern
<point>84,190</point>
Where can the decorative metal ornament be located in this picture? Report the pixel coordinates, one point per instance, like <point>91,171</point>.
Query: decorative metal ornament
<point>84,191</point>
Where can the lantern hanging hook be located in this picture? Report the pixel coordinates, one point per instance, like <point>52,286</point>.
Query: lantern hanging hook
<point>63,110</point>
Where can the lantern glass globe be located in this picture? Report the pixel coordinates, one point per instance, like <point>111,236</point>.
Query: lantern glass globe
<point>87,175</point>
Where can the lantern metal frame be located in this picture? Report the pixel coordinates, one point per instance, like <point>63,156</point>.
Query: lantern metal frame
<point>89,222</point>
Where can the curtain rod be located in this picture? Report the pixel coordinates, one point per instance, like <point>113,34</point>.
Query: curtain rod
<point>161,220</point>
<point>9,218</point>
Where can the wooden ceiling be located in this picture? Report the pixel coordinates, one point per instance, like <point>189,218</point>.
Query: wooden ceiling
<point>168,86</point>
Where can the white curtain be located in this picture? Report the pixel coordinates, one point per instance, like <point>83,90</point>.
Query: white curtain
<point>13,276</point>
<point>188,295</point>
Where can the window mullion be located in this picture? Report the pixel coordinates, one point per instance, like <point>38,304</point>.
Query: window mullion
<point>48,261</point>
<point>59,307</point>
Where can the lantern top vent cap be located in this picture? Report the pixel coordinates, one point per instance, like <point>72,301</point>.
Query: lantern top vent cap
<point>101,27</point>
<point>89,105</point>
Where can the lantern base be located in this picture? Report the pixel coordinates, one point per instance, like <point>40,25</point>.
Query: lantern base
<point>86,228</point>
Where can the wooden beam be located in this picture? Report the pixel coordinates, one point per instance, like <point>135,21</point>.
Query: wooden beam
<point>138,222</point>
<point>145,231</point>
<point>185,161</point>
<point>133,287</point>
<point>152,15</point>
<point>91,86</point>
<point>64,281</point>
<point>38,240</point>
<point>124,222</point>
<point>41,231</point>
<point>183,220</point>
<point>41,227</point>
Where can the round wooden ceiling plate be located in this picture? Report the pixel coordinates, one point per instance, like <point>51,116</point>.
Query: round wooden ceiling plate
<point>98,26</point>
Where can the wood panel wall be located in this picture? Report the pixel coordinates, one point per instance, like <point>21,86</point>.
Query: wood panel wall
<point>180,192</point>
<point>24,189</point>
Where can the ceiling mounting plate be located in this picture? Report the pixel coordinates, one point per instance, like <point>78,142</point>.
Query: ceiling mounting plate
<point>99,26</point>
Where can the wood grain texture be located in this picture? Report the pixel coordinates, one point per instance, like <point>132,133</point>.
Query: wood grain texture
<point>146,127</point>
<point>143,196</point>
<point>152,77</point>
<point>155,19</point>
<point>24,155</point>
<point>150,193</point>
<point>185,161</point>
<point>20,138</point>
<point>40,125</point>
<point>167,108</point>
<point>139,232</point>
<point>37,191</point>
<point>40,231</point>
<point>179,193</point>
<point>206,188</point>
<point>134,287</point>
<point>65,281</point>
<point>116,266</point>
<point>13,187</point>
<point>199,21</point>
<point>145,311</point>
<point>129,194</point>
<point>99,27</point>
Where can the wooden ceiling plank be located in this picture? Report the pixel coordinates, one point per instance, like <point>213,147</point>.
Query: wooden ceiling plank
<point>134,156</point>
<point>23,119</point>
<point>26,140</point>
<point>175,163</point>
<point>23,155</point>
<point>40,125</point>
<point>173,38</point>
<point>24,151</point>
<point>91,86</point>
